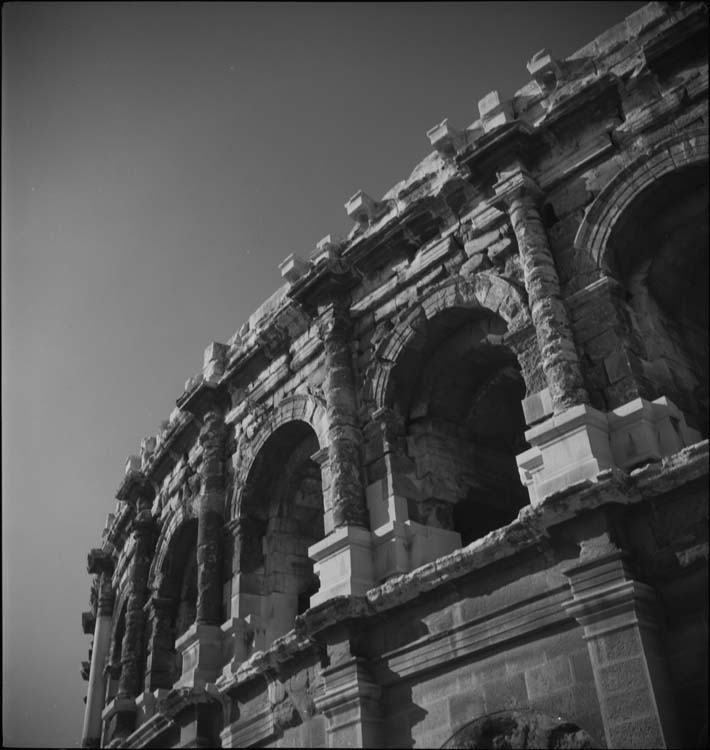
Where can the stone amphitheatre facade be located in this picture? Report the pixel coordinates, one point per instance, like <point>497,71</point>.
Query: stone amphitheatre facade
<point>447,487</point>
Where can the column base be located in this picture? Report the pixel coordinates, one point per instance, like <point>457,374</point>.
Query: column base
<point>343,562</point>
<point>147,704</point>
<point>236,635</point>
<point>119,718</point>
<point>581,442</point>
<point>201,649</point>
<point>400,547</point>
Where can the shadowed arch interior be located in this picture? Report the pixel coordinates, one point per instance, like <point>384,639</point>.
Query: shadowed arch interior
<point>458,388</point>
<point>178,589</point>
<point>281,517</point>
<point>659,252</point>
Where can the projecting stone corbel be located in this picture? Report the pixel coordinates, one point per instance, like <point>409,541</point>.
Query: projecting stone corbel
<point>546,70</point>
<point>445,138</point>
<point>363,209</point>
<point>293,268</point>
<point>495,112</point>
<point>328,248</point>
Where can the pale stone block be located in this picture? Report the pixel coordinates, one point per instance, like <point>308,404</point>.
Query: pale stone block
<point>133,463</point>
<point>343,562</point>
<point>201,650</point>
<point>327,248</point>
<point>146,704</point>
<point>494,112</point>
<point>428,543</point>
<point>390,550</point>
<point>537,407</point>
<point>643,431</point>
<point>545,70</point>
<point>293,268</point>
<point>573,447</point>
<point>444,138</point>
<point>214,361</point>
<point>237,635</point>
<point>362,208</point>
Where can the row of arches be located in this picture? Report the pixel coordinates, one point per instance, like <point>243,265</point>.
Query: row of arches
<point>453,372</point>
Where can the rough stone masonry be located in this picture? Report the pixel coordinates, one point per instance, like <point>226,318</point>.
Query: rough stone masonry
<point>447,487</point>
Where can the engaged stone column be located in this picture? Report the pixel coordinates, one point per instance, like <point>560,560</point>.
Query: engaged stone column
<point>344,432</point>
<point>623,636</point>
<point>101,565</point>
<point>201,645</point>
<point>210,520</point>
<point>129,684</point>
<point>161,659</point>
<point>343,559</point>
<point>560,363</point>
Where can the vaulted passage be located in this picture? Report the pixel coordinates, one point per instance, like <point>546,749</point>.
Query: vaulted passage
<point>660,250</point>
<point>459,388</point>
<point>282,509</point>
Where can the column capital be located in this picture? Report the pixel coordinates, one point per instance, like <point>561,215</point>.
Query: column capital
<point>515,184</point>
<point>333,320</point>
<point>135,489</point>
<point>99,561</point>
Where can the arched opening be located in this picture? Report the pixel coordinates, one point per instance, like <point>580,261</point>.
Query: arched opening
<point>178,608</point>
<point>459,388</point>
<point>658,250</point>
<point>282,516</point>
<point>519,730</point>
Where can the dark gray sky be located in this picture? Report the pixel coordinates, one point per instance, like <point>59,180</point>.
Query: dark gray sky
<point>158,161</point>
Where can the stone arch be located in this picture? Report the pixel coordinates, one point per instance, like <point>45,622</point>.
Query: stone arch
<point>648,230</point>
<point>486,291</point>
<point>279,515</point>
<point>173,584</point>
<point>184,513</point>
<point>299,407</point>
<point>664,157</point>
<point>450,378</point>
<point>518,730</point>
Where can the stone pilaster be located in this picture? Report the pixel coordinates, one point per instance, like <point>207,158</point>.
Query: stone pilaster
<point>351,700</point>
<point>132,650</point>
<point>343,559</point>
<point>101,565</point>
<point>347,493</point>
<point>560,363</point>
<point>623,633</point>
<point>161,658</point>
<point>210,520</point>
<point>201,645</point>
